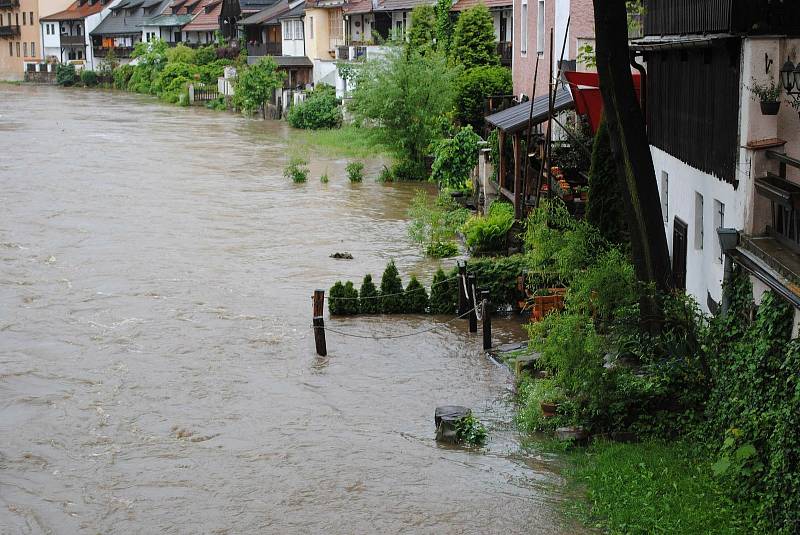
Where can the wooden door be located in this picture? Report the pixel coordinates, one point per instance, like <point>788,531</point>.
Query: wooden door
<point>680,233</point>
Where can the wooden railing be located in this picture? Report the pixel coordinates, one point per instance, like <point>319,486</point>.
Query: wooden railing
<point>73,39</point>
<point>9,31</point>
<point>264,49</point>
<point>119,51</point>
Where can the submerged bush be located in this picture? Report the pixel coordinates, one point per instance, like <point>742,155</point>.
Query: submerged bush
<point>368,297</point>
<point>320,109</point>
<point>296,170</point>
<point>122,76</point>
<point>434,224</point>
<point>391,296</point>
<point>355,172</point>
<point>444,294</point>
<point>416,297</point>
<point>343,299</point>
<point>88,78</point>
<point>470,431</point>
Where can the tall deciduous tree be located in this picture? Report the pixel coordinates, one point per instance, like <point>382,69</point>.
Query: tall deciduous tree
<point>422,33</point>
<point>255,84</point>
<point>473,39</point>
<point>444,25</point>
<point>628,136</point>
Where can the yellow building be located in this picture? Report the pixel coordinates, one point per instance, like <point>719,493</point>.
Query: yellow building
<point>20,33</point>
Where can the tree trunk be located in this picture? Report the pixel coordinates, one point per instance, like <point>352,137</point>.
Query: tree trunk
<point>631,150</point>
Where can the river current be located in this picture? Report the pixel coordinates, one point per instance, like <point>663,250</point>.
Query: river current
<point>157,368</point>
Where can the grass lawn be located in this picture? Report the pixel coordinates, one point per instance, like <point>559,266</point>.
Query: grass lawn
<point>347,142</point>
<point>652,487</point>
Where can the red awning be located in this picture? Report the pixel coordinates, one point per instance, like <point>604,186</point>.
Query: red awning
<point>585,87</point>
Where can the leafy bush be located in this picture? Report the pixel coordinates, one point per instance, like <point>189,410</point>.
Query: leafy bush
<point>416,297</point>
<point>296,170</point>
<point>473,39</point>
<point>255,84</point>
<point>355,172</point>
<point>434,225</point>
<point>391,296</point>
<point>530,395</point>
<point>470,431</point>
<point>488,234</point>
<point>122,76</point>
<point>422,33</point>
<point>319,110</point>
<point>66,75</point>
<point>472,88</point>
<point>88,78</point>
<point>205,55</point>
<point>455,158</point>
<point>444,294</point>
<point>181,54</point>
<point>606,286</point>
<point>368,297</point>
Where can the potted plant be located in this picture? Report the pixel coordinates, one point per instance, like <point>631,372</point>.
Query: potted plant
<point>768,94</point>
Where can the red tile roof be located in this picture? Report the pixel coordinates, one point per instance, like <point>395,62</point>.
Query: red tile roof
<point>207,19</point>
<point>77,10</point>
<point>462,5</point>
<point>357,7</point>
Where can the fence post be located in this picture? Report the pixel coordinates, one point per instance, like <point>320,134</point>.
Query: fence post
<point>472,298</point>
<point>191,94</point>
<point>319,323</point>
<point>486,316</point>
<point>462,282</point>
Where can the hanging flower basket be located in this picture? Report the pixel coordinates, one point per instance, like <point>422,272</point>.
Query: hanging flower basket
<point>770,108</point>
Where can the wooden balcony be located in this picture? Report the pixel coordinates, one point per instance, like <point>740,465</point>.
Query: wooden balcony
<point>264,49</point>
<point>504,50</point>
<point>73,40</point>
<point>9,31</point>
<point>677,17</point>
<point>120,51</point>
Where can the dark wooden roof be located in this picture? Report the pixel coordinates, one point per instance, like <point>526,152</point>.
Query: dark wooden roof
<point>516,118</point>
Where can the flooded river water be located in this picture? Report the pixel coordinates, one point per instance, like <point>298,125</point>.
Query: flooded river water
<point>157,370</point>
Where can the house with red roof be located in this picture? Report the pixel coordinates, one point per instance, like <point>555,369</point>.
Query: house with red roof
<point>205,24</point>
<point>65,34</point>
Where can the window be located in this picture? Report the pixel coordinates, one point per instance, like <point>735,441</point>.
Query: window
<point>540,28</point>
<point>287,30</point>
<point>47,29</point>
<point>23,18</point>
<point>30,16</point>
<point>665,196</point>
<point>523,43</point>
<point>25,49</point>
<point>698,221</point>
<point>10,49</point>
<point>311,27</point>
<point>80,54</point>
<point>298,29</point>
<point>16,17</point>
<point>17,48</point>
<point>33,49</point>
<point>719,222</point>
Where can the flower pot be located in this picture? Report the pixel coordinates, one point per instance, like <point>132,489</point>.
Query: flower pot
<point>770,108</point>
<point>549,409</point>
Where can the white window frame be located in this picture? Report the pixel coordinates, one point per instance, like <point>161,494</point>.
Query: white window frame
<point>523,41</point>
<point>287,30</point>
<point>541,14</point>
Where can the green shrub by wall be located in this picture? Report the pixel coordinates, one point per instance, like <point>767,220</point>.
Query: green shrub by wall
<point>319,110</point>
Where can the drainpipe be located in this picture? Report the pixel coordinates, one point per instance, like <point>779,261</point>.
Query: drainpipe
<point>643,96</point>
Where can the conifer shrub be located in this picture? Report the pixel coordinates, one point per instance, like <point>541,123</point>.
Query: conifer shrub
<point>66,75</point>
<point>605,209</point>
<point>444,295</point>
<point>416,297</point>
<point>368,297</point>
<point>343,299</point>
<point>473,38</point>
<point>391,296</point>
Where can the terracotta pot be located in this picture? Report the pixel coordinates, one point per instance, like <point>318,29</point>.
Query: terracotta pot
<point>770,108</point>
<point>549,409</point>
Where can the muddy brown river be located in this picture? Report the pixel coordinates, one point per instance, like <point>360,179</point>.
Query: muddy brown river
<point>157,368</point>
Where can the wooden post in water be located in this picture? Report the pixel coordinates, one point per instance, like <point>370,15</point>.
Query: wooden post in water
<point>319,323</point>
<point>486,317</point>
<point>462,282</point>
<point>471,297</point>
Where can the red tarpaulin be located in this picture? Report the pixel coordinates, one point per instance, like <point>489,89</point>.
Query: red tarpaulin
<point>585,87</point>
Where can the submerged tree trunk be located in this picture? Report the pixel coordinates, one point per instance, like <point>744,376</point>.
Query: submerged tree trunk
<point>626,128</point>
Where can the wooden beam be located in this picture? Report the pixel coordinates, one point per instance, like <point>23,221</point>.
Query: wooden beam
<point>517,177</point>
<point>501,166</point>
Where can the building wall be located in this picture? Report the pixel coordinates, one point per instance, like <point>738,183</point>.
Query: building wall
<point>581,24</point>
<point>317,35</point>
<point>24,47</point>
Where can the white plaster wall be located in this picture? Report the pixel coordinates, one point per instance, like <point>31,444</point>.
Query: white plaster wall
<point>703,269</point>
<point>53,40</point>
<point>51,51</point>
<point>291,47</point>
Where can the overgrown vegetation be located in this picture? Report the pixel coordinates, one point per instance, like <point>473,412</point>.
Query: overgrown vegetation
<point>296,170</point>
<point>488,234</point>
<point>454,159</point>
<point>434,224</point>
<point>473,86</point>
<point>254,85</point>
<point>320,109</point>
<point>355,172</point>
<point>469,430</point>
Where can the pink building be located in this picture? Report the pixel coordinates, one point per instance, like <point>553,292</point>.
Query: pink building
<point>533,20</point>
